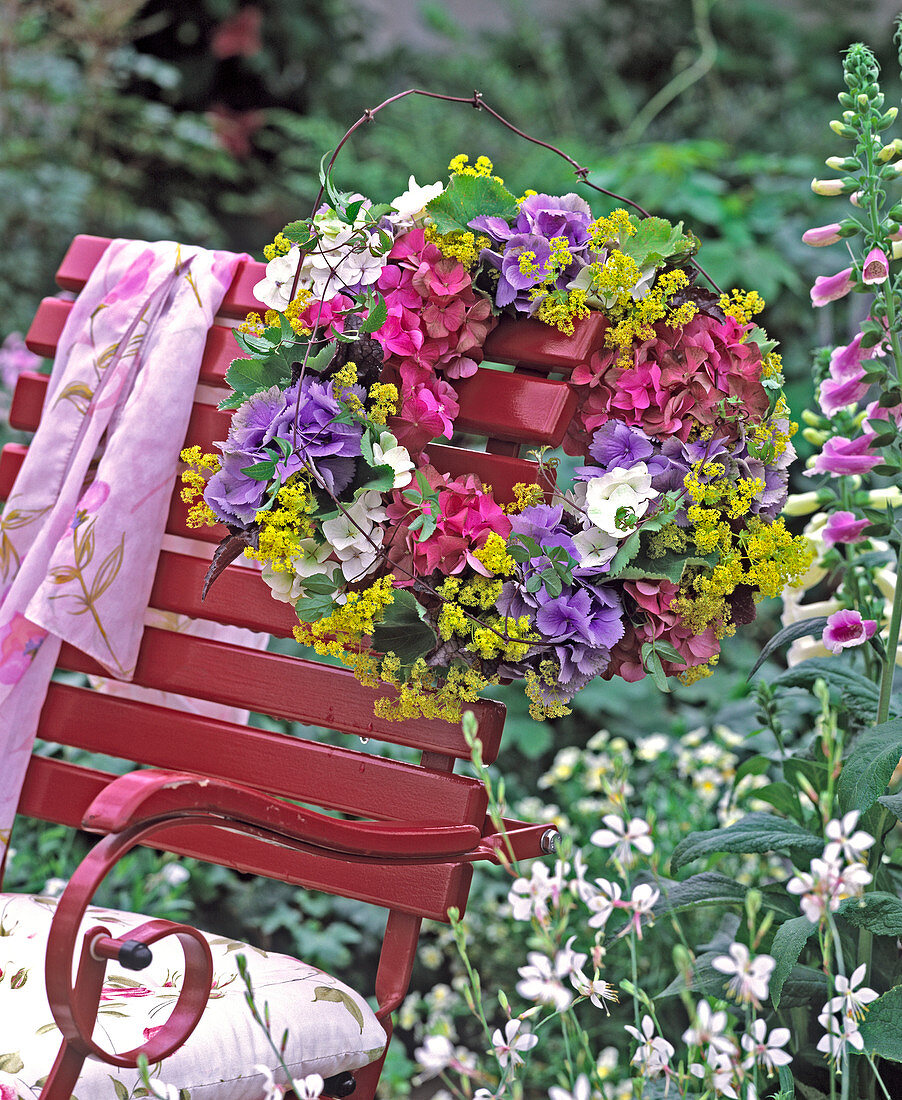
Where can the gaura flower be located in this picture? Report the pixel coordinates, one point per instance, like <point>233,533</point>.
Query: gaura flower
<point>509,1045</point>
<point>845,629</point>
<point>850,1000</point>
<point>827,288</point>
<point>750,977</point>
<point>623,838</point>
<point>766,1050</point>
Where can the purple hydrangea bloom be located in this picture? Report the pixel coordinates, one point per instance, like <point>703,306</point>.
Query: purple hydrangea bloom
<point>233,496</point>
<point>330,448</point>
<point>544,523</point>
<point>557,216</point>
<point>617,444</point>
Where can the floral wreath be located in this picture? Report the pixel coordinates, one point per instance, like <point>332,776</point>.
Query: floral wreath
<point>657,548</point>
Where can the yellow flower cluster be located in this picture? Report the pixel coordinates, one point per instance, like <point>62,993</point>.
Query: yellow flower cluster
<point>743,305</point>
<point>194,479</point>
<point>490,636</point>
<point>284,525</point>
<point>615,227</point>
<point>425,694</point>
<point>252,324</point>
<point>494,556</point>
<point>558,308</point>
<point>342,382</point>
<point>279,247</point>
<point>460,166</point>
<point>458,245</point>
<point>561,310</point>
<point>384,401</point>
<point>634,321</point>
<point>527,194</point>
<point>539,688</point>
<point>292,311</point>
<point>524,496</point>
<point>348,624</point>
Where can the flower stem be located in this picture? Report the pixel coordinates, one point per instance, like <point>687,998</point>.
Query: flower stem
<point>892,643</point>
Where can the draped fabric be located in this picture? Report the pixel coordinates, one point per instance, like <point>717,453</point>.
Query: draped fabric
<point>81,531</point>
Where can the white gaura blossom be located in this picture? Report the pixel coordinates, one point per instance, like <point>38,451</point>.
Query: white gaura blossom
<point>509,1045</point>
<point>623,837</point>
<point>541,980</point>
<point>619,488</point>
<point>388,452</point>
<point>843,838</point>
<point>654,1053</point>
<point>849,998</point>
<point>411,205</point>
<point>766,1050</point>
<point>750,976</point>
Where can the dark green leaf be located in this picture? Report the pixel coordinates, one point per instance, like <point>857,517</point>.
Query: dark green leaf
<point>881,1029</point>
<point>783,797</point>
<point>403,631</point>
<point>857,694</point>
<point>789,633</point>
<point>320,584</point>
<point>757,832</point>
<point>467,197</point>
<point>708,888</point>
<point>377,317</point>
<point>893,803</point>
<point>787,1084</point>
<point>755,765</point>
<point>789,940</point>
<point>867,769</point>
<point>876,911</point>
<point>260,471</point>
<point>804,986</point>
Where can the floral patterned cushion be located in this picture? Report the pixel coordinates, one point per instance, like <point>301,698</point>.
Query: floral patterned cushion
<point>331,1028</point>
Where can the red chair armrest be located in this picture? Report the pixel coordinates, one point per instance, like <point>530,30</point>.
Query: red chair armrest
<point>147,796</point>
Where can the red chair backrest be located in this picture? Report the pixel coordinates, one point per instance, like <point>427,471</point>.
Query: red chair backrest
<point>510,409</point>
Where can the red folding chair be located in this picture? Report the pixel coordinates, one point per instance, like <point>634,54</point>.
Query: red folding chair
<point>405,839</point>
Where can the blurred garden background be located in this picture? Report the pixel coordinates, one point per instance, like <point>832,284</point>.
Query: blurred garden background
<point>206,122</point>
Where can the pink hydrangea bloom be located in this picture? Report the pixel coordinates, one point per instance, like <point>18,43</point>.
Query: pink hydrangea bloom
<point>845,629</point>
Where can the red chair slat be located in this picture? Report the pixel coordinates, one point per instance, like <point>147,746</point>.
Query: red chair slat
<point>492,403</point>
<point>287,688</point>
<point>422,889</point>
<point>238,597</point>
<point>306,771</point>
<point>531,343</point>
<point>85,251</point>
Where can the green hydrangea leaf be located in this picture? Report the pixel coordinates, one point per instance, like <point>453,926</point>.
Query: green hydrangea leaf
<point>403,631</point>
<point>656,240</point>
<point>465,198</point>
<point>250,376</point>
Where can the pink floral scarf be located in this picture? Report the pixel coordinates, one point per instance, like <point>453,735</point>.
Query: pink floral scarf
<point>80,537</point>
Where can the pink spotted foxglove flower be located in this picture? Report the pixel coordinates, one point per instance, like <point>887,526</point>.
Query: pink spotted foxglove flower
<point>821,235</point>
<point>876,268</point>
<point>843,527</point>
<point>827,288</point>
<point>845,629</point>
